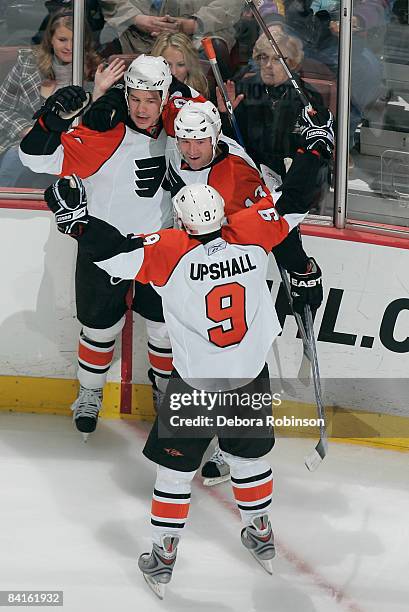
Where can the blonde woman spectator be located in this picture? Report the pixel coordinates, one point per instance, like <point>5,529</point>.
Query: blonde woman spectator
<point>37,73</point>
<point>183,59</point>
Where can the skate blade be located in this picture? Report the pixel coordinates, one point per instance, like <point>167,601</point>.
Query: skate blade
<point>210,482</point>
<point>85,437</point>
<point>267,565</point>
<point>157,587</point>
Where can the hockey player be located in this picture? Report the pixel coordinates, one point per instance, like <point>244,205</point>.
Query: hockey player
<point>221,322</point>
<point>123,170</point>
<point>198,152</point>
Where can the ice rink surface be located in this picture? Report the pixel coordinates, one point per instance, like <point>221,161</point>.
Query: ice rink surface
<point>75,517</point>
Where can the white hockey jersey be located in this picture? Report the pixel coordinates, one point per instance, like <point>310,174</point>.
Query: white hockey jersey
<point>217,307</point>
<point>123,171</point>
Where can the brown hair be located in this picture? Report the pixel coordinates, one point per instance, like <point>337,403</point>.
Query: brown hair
<point>290,46</point>
<point>181,42</point>
<point>45,52</point>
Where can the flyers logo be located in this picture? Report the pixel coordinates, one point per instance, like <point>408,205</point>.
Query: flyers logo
<point>149,175</point>
<point>178,102</point>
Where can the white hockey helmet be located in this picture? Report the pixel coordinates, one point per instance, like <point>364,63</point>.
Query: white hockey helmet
<point>198,120</point>
<point>199,209</point>
<point>150,74</point>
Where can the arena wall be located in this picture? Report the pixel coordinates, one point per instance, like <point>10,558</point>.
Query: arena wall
<point>361,329</point>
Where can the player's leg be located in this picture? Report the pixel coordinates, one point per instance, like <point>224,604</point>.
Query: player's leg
<point>177,459</point>
<point>169,512</point>
<point>100,308</point>
<point>252,483</point>
<point>250,473</point>
<point>149,305</point>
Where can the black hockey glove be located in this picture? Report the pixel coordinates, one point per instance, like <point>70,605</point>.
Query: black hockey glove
<point>307,288</point>
<point>317,132</point>
<point>62,107</point>
<point>109,110</point>
<point>68,201</point>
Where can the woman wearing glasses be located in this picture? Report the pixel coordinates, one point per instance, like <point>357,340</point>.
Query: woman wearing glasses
<point>267,106</point>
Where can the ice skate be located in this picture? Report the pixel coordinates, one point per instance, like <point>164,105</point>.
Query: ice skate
<point>157,566</point>
<point>258,538</point>
<point>86,409</point>
<point>215,470</point>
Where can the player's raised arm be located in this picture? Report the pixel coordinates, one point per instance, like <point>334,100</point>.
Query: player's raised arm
<point>40,148</point>
<point>300,184</point>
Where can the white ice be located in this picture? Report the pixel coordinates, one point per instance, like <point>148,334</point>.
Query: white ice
<point>75,517</point>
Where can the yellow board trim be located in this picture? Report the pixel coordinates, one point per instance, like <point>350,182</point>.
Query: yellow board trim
<point>55,396</point>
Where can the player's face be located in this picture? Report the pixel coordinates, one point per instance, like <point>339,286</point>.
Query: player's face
<point>177,63</point>
<point>197,153</point>
<point>144,107</point>
<point>61,42</point>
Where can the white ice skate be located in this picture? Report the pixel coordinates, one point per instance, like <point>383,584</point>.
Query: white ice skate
<point>157,566</point>
<point>258,538</point>
<point>86,409</point>
<point>215,470</point>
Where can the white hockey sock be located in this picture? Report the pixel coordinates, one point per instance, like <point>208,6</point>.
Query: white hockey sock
<point>170,502</point>
<point>95,354</point>
<point>159,353</point>
<point>252,482</point>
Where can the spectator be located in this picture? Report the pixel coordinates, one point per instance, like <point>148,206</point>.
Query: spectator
<point>93,16</point>
<point>183,59</point>
<point>139,22</point>
<point>267,105</point>
<point>37,73</point>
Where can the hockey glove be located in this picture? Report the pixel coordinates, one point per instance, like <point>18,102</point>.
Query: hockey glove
<point>109,110</point>
<point>62,107</point>
<point>307,288</point>
<point>317,132</point>
<point>68,201</point>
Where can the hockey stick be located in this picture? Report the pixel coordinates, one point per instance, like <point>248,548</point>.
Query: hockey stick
<point>257,16</point>
<point>211,56</point>
<point>313,460</point>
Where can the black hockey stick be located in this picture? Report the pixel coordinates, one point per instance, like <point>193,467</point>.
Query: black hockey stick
<point>252,4</point>
<point>313,460</point>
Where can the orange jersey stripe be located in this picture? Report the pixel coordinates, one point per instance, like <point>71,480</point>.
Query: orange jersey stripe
<point>94,357</point>
<point>164,510</point>
<point>251,494</point>
<point>161,363</point>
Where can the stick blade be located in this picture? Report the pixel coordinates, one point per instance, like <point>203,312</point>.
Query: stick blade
<point>304,373</point>
<point>314,460</point>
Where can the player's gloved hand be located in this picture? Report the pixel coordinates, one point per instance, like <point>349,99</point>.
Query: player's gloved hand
<point>68,201</point>
<point>106,112</point>
<point>317,132</point>
<point>62,107</point>
<point>307,288</point>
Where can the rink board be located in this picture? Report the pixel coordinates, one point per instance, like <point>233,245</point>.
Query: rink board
<point>362,327</point>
